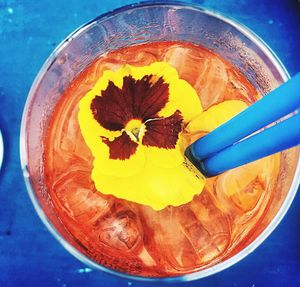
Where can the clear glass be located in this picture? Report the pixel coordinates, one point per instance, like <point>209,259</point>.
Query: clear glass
<point>136,24</point>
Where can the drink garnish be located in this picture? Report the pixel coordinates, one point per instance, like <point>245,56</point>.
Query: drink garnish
<point>134,122</point>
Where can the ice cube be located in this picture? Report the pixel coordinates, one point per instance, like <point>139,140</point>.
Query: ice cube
<point>120,230</point>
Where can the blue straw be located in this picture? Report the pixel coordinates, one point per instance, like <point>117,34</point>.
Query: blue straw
<point>272,140</point>
<point>270,108</point>
<point>222,149</point>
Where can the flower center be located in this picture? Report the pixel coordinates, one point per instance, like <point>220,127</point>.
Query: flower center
<point>135,129</point>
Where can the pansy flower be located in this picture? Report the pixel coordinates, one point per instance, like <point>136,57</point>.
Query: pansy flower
<point>133,121</point>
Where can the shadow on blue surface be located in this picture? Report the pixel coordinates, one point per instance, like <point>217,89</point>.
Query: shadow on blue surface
<point>29,256</point>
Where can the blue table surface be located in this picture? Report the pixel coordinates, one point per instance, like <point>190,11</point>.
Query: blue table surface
<point>29,255</point>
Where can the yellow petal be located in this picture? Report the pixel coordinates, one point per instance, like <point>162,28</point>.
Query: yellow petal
<point>182,95</point>
<point>90,128</point>
<point>215,116</point>
<point>100,151</point>
<point>157,187</point>
<point>120,168</point>
<point>92,131</point>
<point>167,157</point>
<point>116,77</point>
<point>183,98</point>
<point>152,176</point>
<point>88,125</point>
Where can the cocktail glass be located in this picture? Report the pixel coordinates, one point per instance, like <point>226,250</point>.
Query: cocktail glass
<point>132,25</point>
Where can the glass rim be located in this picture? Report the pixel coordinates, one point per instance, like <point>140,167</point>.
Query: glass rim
<point>180,278</point>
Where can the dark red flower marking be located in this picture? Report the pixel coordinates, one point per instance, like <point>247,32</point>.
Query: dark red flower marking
<point>121,147</point>
<point>163,132</point>
<point>138,99</point>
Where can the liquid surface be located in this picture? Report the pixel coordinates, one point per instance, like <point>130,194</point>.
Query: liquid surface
<point>134,238</point>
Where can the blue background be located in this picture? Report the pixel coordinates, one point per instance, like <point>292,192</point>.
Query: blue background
<point>29,255</point>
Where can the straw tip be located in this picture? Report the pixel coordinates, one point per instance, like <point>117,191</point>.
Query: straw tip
<point>189,157</point>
